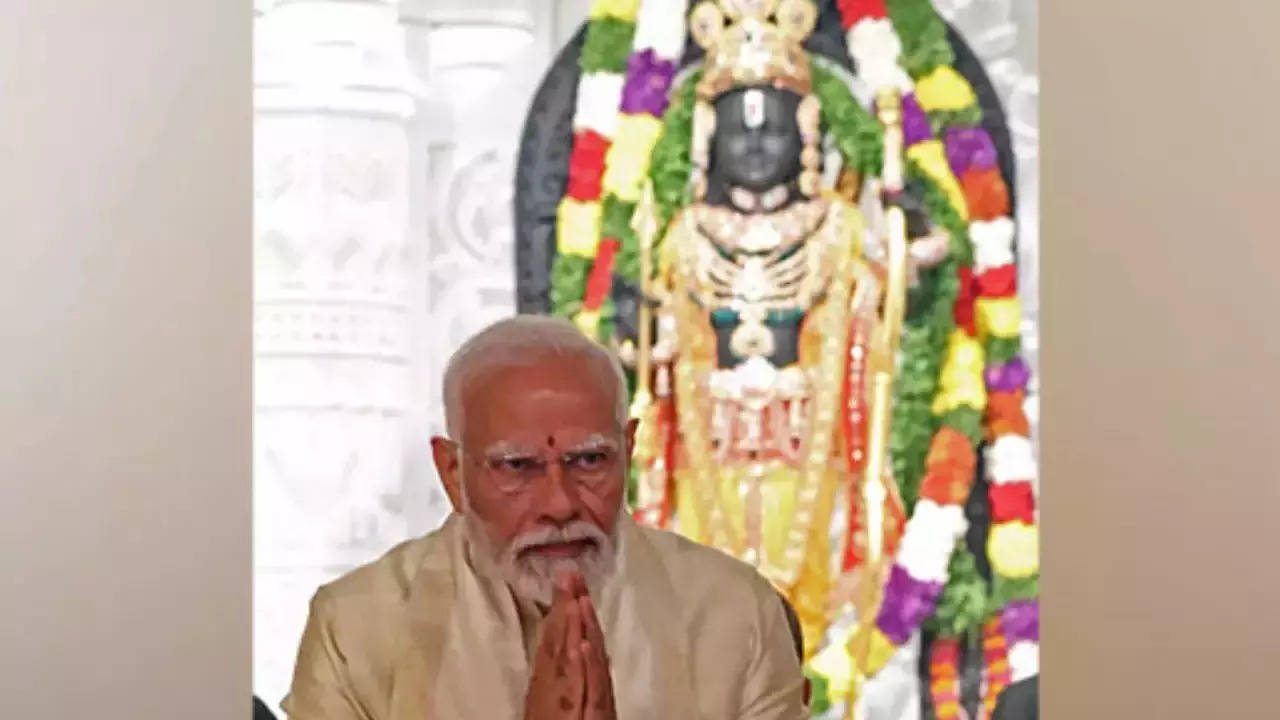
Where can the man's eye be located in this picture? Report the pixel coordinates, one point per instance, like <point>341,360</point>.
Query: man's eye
<point>590,460</point>
<point>517,465</point>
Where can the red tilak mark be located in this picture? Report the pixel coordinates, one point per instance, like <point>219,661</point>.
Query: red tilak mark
<point>551,442</point>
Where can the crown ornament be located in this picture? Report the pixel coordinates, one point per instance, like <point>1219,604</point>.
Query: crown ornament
<point>753,43</point>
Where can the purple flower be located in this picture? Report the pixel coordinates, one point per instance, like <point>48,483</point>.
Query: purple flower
<point>907,603</point>
<point>915,124</point>
<point>648,80</point>
<point>1010,377</point>
<point>970,149</point>
<point>1020,621</point>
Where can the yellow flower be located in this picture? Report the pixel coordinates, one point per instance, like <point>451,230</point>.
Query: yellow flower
<point>620,9</point>
<point>944,89</point>
<point>961,391</point>
<point>964,352</point>
<point>960,382</point>
<point>835,665</point>
<point>627,161</point>
<point>882,649</point>
<point>588,321</point>
<point>998,317</point>
<point>578,227</point>
<point>931,156</point>
<point>1015,549</point>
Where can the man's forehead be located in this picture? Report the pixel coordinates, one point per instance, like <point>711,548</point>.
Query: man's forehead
<point>528,403</point>
<point>542,382</point>
<point>562,441</point>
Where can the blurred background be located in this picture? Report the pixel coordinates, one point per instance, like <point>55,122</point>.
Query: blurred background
<point>385,138</point>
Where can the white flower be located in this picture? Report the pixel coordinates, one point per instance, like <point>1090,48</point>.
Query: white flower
<point>923,563</point>
<point>876,50</point>
<point>599,98</point>
<point>945,520</point>
<point>661,26</point>
<point>874,40</point>
<point>929,539</point>
<point>881,75</point>
<point>1010,459</point>
<point>992,243</point>
<point>1024,660</point>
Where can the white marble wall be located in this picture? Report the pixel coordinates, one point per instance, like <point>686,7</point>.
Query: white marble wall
<point>385,141</point>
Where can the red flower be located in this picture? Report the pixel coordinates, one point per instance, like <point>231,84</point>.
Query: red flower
<point>1012,502</point>
<point>851,11</point>
<point>963,310</point>
<point>998,282</point>
<point>586,165</point>
<point>601,277</point>
<point>986,193</point>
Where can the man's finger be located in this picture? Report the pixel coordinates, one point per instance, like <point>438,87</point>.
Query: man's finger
<point>576,686</point>
<point>599,686</point>
<point>591,624</point>
<point>575,584</point>
<point>555,626</point>
<point>574,631</point>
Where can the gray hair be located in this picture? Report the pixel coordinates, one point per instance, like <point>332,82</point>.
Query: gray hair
<point>521,341</point>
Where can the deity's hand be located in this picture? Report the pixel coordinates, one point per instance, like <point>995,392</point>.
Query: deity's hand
<point>849,588</point>
<point>558,683</point>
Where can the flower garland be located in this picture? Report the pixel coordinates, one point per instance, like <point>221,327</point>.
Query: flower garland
<point>944,677</point>
<point>616,171</point>
<point>892,44</point>
<point>580,215</point>
<point>995,665</point>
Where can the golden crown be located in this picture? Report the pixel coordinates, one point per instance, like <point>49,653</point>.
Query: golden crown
<point>753,43</point>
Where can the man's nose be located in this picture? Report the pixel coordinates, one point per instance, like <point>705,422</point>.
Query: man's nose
<point>558,498</point>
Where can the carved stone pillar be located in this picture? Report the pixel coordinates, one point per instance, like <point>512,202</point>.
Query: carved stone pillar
<point>480,61</point>
<point>332,327</point>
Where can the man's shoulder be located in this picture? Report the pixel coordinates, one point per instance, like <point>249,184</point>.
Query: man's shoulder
<point>389,578</point>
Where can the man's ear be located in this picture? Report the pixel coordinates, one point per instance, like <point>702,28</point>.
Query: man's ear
<point>445,454</point>
<point>630,434</point>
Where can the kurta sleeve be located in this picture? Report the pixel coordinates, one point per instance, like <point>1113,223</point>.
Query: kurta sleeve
<point>774,684</point>
<point>322,687</point>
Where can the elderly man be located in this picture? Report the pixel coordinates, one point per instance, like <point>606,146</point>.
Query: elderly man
<point>539,597</point>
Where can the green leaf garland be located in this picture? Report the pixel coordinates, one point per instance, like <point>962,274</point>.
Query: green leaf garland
<point>963,603</point>
<point>607,46</point>
<point>923,34</point>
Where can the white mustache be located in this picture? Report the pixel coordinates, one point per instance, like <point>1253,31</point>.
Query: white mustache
<point>573,532</point>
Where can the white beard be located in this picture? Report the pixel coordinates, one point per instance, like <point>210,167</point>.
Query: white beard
<point>531,577</point>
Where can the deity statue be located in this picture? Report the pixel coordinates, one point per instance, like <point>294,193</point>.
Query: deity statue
<point>761,281</point>
<point>802,225</point>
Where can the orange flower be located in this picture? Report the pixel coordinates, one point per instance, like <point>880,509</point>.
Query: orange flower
<point>947,485</point>
<point>1005,415</point>
<point>986,194</point>
<point>950,449</point>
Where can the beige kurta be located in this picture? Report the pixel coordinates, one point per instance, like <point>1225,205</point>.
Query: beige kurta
<point>420,635</point>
